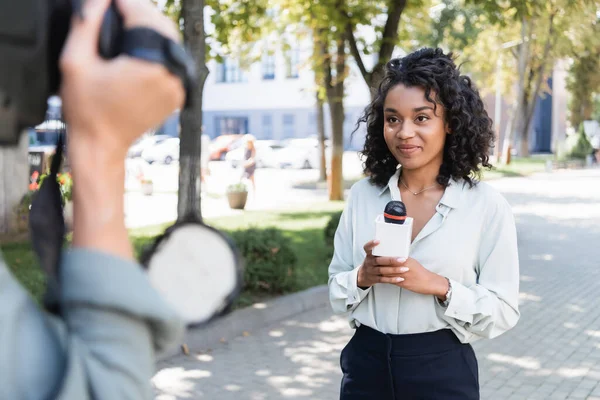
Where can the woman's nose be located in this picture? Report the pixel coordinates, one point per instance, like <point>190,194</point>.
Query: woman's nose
<point>405,131</point>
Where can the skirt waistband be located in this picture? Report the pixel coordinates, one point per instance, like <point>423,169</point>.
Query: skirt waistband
<point>415,344</point>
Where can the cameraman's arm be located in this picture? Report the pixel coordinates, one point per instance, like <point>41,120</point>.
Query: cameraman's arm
<point>104,347</point>
<point>113,321</point>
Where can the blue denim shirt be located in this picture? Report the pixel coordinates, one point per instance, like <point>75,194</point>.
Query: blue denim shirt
<point>103,347</point>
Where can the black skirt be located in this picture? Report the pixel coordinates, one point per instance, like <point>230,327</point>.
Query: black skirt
<point>424,366</point>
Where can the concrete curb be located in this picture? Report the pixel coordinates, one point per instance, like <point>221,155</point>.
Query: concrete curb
<point>252,318</point>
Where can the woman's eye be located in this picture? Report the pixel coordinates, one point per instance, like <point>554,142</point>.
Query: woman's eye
<point>422,118</point>
<point>392,120</point>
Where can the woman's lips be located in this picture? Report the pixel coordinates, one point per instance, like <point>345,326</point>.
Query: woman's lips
<point>408,149</point>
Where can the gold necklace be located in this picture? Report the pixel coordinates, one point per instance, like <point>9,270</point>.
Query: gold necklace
<point>416,193</point>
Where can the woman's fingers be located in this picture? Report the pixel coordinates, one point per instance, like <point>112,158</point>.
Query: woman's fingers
<point>369,246</point>
<point>383,271</point>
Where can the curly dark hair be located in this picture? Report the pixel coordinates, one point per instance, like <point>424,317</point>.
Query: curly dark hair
<point>466,149</point>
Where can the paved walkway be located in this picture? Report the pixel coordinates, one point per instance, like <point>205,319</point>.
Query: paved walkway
<point>553,353</point>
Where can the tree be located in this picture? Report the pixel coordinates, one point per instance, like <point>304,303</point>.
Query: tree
<point>192,12</point>
<point>584,77</point>
<point>319,70</point>
<point>520,40</point>
<point>334,87</point>
<point>326,20</point>
<point>13,177</point>
<point>236,23</point>
<point>331,38</point>
<point>362,14</point>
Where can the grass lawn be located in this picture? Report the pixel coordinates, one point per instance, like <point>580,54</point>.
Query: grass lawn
<point>303,226</point>
<point>518,167</point>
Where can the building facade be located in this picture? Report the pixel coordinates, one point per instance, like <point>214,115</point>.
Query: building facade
<point>275,98</point>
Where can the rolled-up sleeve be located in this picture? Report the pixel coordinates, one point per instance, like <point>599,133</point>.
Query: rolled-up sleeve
<point>344,294</point>
<point>103,347</point>
<point>490,307</point>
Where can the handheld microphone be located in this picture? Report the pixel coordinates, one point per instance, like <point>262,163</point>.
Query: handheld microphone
<point>395,212</point>
<point>393,229</point>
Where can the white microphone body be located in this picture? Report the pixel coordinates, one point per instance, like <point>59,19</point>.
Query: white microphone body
<point>394,239</point>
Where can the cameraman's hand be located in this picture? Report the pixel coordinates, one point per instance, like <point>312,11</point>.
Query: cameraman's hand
<point>379,269</point>
<point>107,105</point>
<point>111,103</point>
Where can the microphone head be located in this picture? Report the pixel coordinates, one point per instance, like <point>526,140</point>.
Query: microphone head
<point>395,212</point>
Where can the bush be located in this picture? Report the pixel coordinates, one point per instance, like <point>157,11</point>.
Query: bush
<point>578,146</point>
<point>270,262</point>
<point>331,227</point>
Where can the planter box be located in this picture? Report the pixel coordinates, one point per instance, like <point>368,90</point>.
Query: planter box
<point>237,200</point>
<point>147,188</point>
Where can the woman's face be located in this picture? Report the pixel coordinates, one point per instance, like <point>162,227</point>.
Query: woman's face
<point>414,134</point>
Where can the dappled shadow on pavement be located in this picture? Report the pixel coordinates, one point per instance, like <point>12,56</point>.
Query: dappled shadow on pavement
<point>553,353</point>
<point>296,359</point>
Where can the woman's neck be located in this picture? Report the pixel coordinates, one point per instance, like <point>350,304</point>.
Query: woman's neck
<point>421,178</point>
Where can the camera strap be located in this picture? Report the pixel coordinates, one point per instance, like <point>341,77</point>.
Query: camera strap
<point>47,229</point>
<point>149,45</point>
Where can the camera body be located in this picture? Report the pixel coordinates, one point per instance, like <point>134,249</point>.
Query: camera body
<point>32,35</point>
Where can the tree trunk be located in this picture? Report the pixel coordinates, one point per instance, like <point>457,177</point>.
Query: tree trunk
<point>532,91</point>
<point>335,98</point>
<point>14,175</point>
<point>337,177</point>
<point>524,129</point>
<point>321,132</point>
<point>191,119</point>
<point>524,120</point>
<point>523,57</point>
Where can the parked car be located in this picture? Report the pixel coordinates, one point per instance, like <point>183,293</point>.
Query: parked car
<point>144,143</point>
<point>164,152</point>
<point>265,154</point>
<point>222,144</point>
<point>301,153</point>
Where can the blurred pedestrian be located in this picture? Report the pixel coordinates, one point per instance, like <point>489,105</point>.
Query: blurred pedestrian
<point>250,161</point>
<point>428,136</point>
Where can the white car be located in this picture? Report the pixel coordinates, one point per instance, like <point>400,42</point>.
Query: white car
<point>164,152</point>
<point>265,154</point>
<point>302,154</point>
<point>144,143</point>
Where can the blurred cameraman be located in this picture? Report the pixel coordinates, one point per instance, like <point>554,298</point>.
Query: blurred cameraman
<point>113,321</point>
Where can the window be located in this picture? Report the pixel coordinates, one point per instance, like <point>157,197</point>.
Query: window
<point>268,66</point>
<point>288,125</point>
<point>267,124</point>
<point>229,71</point>
<point>231,125</point>
<point>292,61</point>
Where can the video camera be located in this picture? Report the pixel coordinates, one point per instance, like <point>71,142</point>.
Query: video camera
<point>196,268</point>
<point>32,35</point>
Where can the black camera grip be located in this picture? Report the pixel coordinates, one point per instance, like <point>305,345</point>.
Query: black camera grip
<point>111,33</point>
<point>146,44</point>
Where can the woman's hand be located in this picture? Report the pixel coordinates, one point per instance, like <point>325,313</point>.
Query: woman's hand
<point>419,279</point>
<point>379,269</point>
<point>408,274</point>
